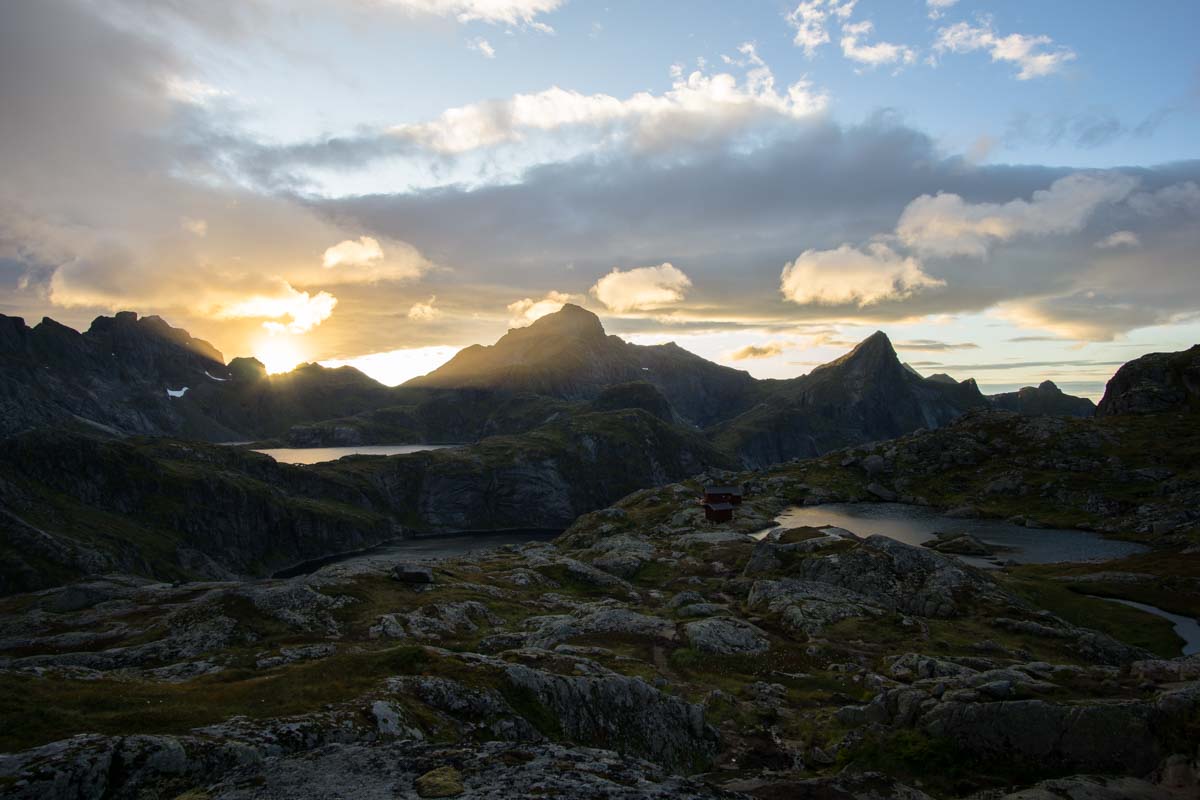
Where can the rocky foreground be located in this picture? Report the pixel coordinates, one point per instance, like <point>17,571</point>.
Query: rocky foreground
<point>644,654</point>
<point>647,653</point>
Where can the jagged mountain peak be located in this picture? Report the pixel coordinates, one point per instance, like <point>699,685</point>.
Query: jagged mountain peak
<point>871,354</point>
<point>570,320</point>
<point>129,328</point>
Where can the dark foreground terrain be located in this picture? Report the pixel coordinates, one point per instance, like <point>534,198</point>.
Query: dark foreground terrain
<point>643,653</point>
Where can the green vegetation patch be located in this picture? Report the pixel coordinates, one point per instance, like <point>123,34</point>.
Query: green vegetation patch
<point>53,708</point>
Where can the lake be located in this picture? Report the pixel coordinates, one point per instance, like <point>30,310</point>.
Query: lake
<point>1186,628</point>
<point>317,455</point>
<point>423,548</point>
<point>916,525</point>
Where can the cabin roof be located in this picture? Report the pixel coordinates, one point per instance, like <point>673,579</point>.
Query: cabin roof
<point>719,506</point>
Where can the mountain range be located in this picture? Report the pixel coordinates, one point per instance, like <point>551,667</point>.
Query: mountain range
<point>139,375</point>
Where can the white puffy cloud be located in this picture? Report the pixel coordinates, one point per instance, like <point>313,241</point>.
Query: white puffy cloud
<point>508,12</point>
<point>872,54</point>
<point>697,106</point>
<point>526,311</point>
<point>364,260</point>
<point>809,19</point>
<point>112,278</point>
<point>353,252</point>
<point>482,46</point>
<point>425,312</point>
<point>848,275</point>
<point>1119,239</point>
<point>289,311</point>
<point>946,225</point>
<point>641,288</point>
<point>1033,54</point>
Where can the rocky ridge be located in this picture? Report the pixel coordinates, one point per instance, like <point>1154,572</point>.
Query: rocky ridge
<point>640,658</point>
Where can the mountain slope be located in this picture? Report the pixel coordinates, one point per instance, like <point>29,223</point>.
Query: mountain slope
<point>1043,400</point>
<point>568,355</point>
<point>73,504</point>
<point>863,396</point>
<point>1155,382</point>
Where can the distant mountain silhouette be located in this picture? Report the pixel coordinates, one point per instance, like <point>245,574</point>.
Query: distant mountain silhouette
<point>1043,400</point>
<point>127,374</point>
<point>863,396</point>
<point>568,355</point>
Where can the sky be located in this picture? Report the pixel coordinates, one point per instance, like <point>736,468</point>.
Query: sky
<point>1009,189</point>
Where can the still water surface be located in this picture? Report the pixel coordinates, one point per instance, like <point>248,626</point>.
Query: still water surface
<point>317,455</point>
<point>916,525</point>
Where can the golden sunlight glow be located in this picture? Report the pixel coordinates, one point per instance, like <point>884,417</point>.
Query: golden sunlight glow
<point>396,366</point>
<point>278,353</point>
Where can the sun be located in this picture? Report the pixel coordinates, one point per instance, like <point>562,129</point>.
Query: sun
<point>278,354</point>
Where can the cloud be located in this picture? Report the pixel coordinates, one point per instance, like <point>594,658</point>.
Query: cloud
<point>809,19</point>
<point>768,350</point>
<point>946,225</point>
<point>697,107</point>
<point>113,279</point>
<point>873,54</point>
<point>848,275</point>
<point>351,252</point>
<point>363,260</point>
<point>641,288</point>
<point>196,227</point>
<point>121,209</point>
<point>1086,315</point>
<point>425,312</point>
<point>291,311</point>
<point>1034,55</point>
<point>932,345</point>
<point>508,12</point>
<point>938,7</point>
<point>482,46</point>
<point>527,311</point>
<point>1119,239</point>
<point>1177,197</point>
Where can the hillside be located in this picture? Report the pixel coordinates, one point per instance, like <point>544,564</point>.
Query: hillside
<point>76,503</point>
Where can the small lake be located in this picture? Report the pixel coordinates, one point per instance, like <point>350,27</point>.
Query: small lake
<point>916,525</point>
<point>424,548</point>
<point>317,455</point>
<point>1186,628</point>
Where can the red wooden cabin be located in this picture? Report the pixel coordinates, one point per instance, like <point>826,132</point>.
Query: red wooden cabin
<point>723,494</point>
<point>718,512</point>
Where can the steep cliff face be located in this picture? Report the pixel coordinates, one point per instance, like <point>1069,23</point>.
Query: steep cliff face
<point>76,504</point>
<point>864,396</point>
<point>541,479</point>
<point>1043,400</point>
<point>1155,382</point>
<point>73,504</point>
<point>568,355</point>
